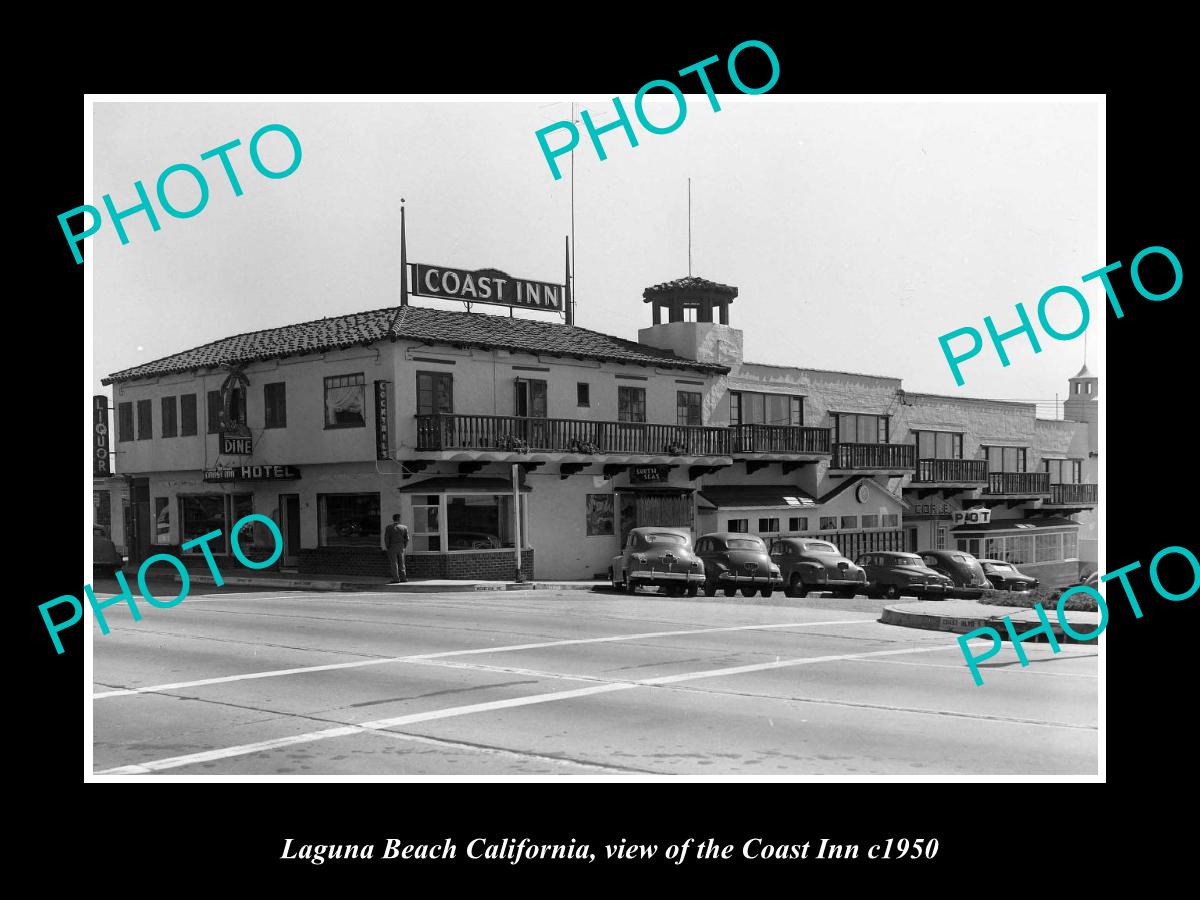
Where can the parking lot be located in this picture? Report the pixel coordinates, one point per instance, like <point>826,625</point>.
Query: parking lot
<point>570,683</point>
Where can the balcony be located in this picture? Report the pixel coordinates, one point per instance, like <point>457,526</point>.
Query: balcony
<point>523,434</point>
<point>1027,485</point>
<point>968,472</point>
<point>877,459</point>
<point>1078,496</point>
<point>790,440</point>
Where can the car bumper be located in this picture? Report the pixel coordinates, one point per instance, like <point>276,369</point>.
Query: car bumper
<point>965,593</point>
<point>731,579</point>
<point>939,591</point>
<point>835,584</point>
<point>662,579</point>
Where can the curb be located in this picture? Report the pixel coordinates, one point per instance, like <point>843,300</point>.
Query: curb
<point>898,615</point>
<point>408,588</point>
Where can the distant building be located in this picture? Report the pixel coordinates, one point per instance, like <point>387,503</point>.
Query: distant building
<point>331,426</point>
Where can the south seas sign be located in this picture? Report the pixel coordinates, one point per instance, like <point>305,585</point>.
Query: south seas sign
<point>484,286</point>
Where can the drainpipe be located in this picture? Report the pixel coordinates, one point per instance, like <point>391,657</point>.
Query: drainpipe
<point>516,483</point>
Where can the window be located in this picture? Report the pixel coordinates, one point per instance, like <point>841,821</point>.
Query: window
<point>829,523</point>
<point>170,424</point>
<point>162,520</point>
<point>1005,459</point>
<point>768,526</point>
<point>435,393</point>
<point>426,531</point>
<point>187,414</point>
<point>345,402</point>
<point>870,521</point>
<point>851,428</point>
<point>215,407</point>
<point>583,394</point>
<point>275,405</point>
<point>891,520</point>
<point>849,521</point>
<point>1048,547</point>
<point>124,421</point>
<point>479,522</point>
<point>348,520</point>
<point>144,420</point>
<point>631,404</point>
<point>993,548</point>
<point>798,523</point>
<point>1064,471</point>
<point>102,510</point>
<point>941,537</point>
<point>1089,388</point>
<point>599,514</point>
<point>687,408</point>
<point>198,515</point>
<point>1070,545</point>
<point>742,526</point>
<point>1018,549</point>
<point>939,445</point>
<point>748,408</point>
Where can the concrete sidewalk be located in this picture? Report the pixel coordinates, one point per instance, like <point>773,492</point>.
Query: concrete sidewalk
<point>962,616</point>
<point>370,583</point>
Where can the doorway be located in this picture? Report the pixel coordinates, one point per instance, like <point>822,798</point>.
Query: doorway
<point>289,514</point>
<point>530,403</point>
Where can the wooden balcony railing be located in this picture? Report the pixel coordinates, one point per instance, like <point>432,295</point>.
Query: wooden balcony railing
<point>1018,483</point>
<point>781,439</point>
<point>874,456</point>
<point>469,432</point>
<point>1073,493</point>
<point>955,470</point>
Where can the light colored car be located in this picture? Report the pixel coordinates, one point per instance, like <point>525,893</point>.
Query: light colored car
<point>658,557</point>
<point>736,561</point>
<point>811,565</point>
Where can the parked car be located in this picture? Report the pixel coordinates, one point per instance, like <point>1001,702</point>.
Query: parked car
<point>658,557</point>
<point>105,558</point>
<point>811,565</point>
<point>736,561</point>
<point>961,568</point>
<point>1005,576</point>
<point>892,573</point>
<point>1092,581</point>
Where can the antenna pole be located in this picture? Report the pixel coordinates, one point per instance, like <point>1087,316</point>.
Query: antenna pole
<point>689,227</point>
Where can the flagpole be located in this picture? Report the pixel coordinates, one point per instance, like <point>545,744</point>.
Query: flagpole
<point>403,274</point>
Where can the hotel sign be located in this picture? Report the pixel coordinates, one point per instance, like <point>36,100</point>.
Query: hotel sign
<point>484,286</point>
<point>236,445</point>
<point>251,473</point>
<point>100,451</point>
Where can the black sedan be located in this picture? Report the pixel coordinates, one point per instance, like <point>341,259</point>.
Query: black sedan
<point>1004,576</point>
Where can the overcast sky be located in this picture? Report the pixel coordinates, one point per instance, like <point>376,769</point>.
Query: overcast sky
<point>856,233</point>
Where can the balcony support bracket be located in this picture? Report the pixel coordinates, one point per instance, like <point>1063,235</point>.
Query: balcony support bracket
<point>753,465</point>
<point>566,470</point>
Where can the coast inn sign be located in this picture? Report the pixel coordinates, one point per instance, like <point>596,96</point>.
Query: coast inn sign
<point>529,446</point>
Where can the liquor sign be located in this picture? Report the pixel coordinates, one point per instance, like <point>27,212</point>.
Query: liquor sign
<point>485,286</point>
<point>649,474</point>
<point>236,444</point>
<point>980,516</point>
<point>100,455</point>
<point>252,473</point>
<point>382,423</point>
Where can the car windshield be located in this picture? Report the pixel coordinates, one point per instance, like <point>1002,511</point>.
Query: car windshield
<point>999,567</point>
<point>664,537</point>
<point>744,544</point>
<point>908,560</point>
<point>820,547</point>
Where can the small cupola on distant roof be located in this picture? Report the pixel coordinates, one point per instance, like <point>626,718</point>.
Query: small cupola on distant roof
<point>690,299</point>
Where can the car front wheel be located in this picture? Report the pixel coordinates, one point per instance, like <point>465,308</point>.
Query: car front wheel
<point>891,592</point>
<point>796,587</point>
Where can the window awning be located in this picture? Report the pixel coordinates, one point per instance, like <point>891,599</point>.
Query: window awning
<point>758,496</point>
<point>460,484</point>
<point>1016,525</point>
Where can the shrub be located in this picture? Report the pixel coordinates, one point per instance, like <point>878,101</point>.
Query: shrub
<point>1048,597</point>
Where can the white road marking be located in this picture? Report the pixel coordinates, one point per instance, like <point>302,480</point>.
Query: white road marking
<point>158,688</point>
<point>490,706</point>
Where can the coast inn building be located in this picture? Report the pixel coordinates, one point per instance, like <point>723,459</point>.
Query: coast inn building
<point>331,426</point>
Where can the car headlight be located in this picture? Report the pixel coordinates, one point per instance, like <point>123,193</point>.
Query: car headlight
<point>641,557</point>
<point>774,569</point>
<point>696,564</point>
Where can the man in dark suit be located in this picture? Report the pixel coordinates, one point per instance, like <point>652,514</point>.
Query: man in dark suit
<point>395,539</point>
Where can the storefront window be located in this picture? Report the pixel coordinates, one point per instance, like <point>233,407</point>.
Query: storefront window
<point>798,523</point>
<point>1070,545</point>
<point>198,515</point>
<point>1049,547</point>
<point>599,514</point>
<point>891,520</point>
<point>162,520</point>
<point>829,523</point>
<point>426,527</point>
<point>479,522</point>
<point>102,510</point>
<point>993,548</point>
<point>849,521</point>
<point>1019,549</point>
<point>870,521</point>
<point>348,520</point>
<point>242,505</point>
<point>741,526</point>
<point>768,526</point>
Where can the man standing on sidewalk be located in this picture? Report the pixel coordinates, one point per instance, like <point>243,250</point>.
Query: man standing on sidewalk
<point>395,539</point>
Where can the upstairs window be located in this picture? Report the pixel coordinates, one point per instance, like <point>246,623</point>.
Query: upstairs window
<point>1006,459</point>
<point>345,401</point>
<point>187,415</point>
<point>1064,471</point>
<point>124,421</point>
<point>435,393</point>
<point>939,445</point>
<point>583,394</point>
<point>852,428</point>
<point>631,404</point>
<point>144,420</point>
<point>687,408</point>
<point>275,405</point>
<point>170,425</point>
<point>749,408</point>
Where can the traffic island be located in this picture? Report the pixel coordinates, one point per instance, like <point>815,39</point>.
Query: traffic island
<point>367,583</point>
<point>963,616</point>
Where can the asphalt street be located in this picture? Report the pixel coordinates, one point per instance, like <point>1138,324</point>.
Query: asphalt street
<point>507,683</point>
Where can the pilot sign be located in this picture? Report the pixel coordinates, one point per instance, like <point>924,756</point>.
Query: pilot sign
<point>236,445</point>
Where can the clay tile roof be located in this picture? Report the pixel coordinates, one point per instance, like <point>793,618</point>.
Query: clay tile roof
<point>429,326</point>
<point>690,284</point>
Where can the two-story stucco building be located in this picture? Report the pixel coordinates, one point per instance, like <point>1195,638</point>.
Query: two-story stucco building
<point>330,427</point>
